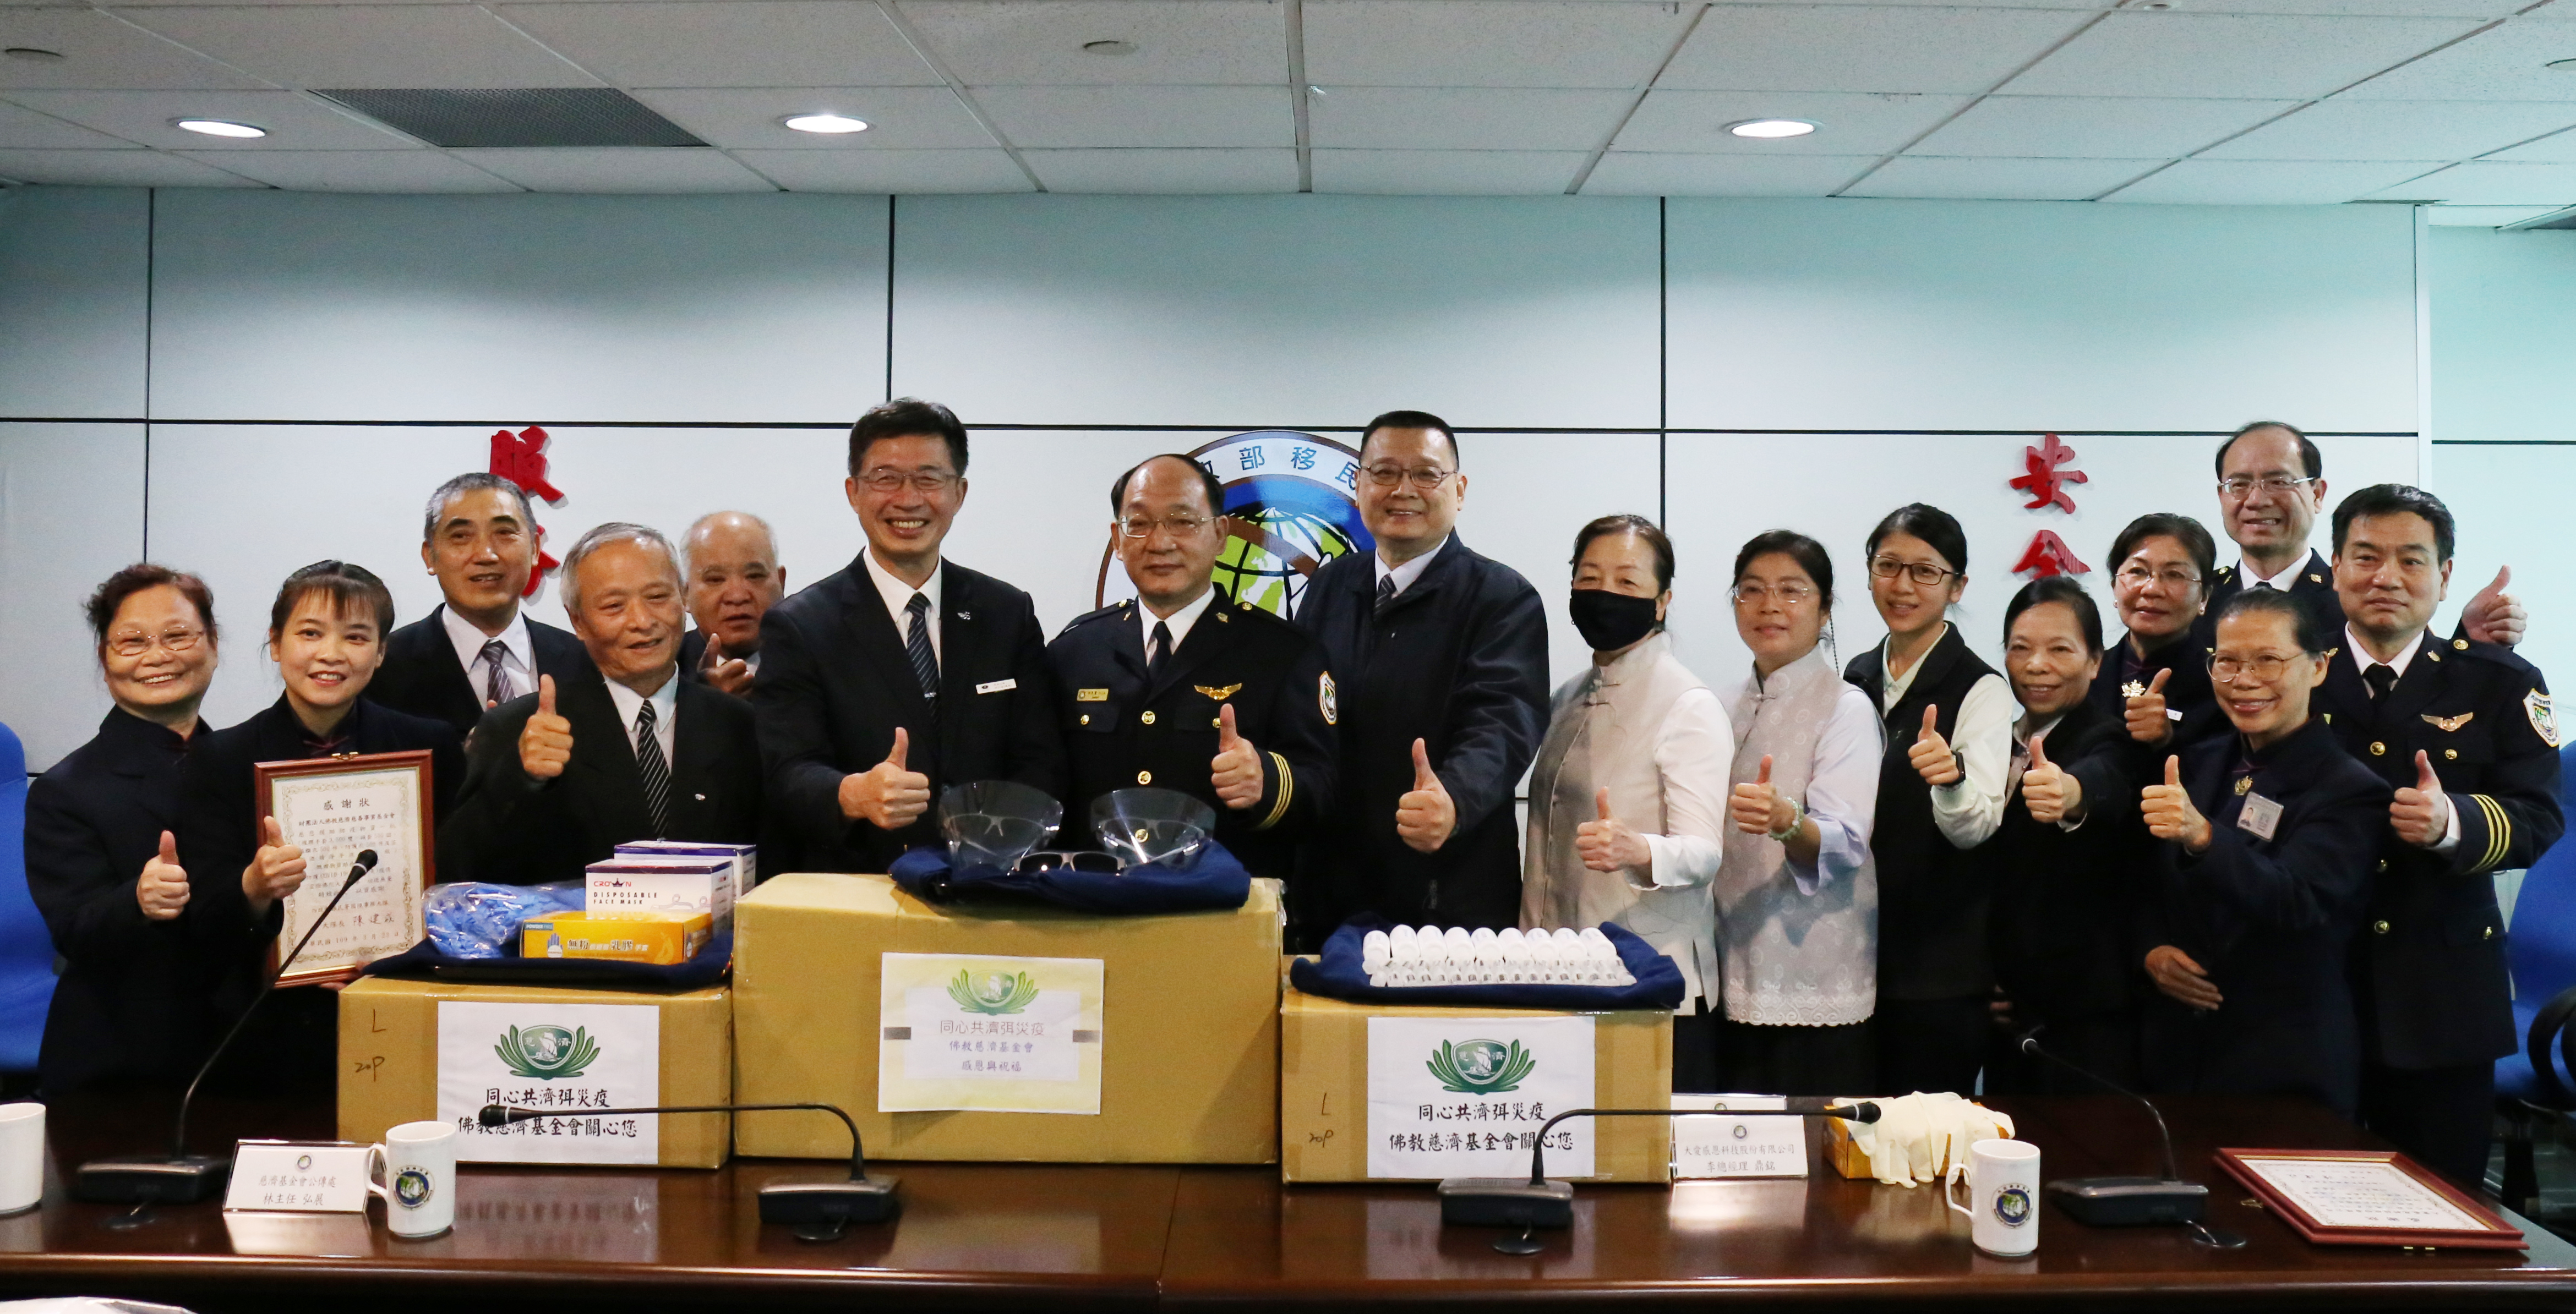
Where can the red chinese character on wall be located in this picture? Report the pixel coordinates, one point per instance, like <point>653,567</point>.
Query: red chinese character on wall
<point>2048,555</point>
<point>2042,478</point>
<point>521,459</point>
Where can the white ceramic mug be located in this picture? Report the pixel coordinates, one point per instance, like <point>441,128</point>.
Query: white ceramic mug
<point>22,1157</point>
<point>418,1181</point>
<point>2003,1195</point>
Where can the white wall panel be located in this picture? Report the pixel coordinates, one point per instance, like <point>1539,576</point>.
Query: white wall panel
<point>1998,315</point>
<point>2504,334</point>
<point>72,301</point>
<point>1309,310</point>
<point>71,513</point>
<point>2511,502</point>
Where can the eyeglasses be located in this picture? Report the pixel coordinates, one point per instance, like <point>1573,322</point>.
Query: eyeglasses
<point>1181,524</point>
<point>2276,485</point>
<point>2139,577</point>
<point>1923,572</point>
<point>1046,860</point>
<point>887,481</point>
<point>135,645</point>
<point>1424,477</point>
<point>1790,595</point>
<point>2265,669</point>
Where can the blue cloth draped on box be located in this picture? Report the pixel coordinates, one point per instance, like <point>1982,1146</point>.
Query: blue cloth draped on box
<point>1338,975</point>
<point>1212,880</point>
<point>713,962</point>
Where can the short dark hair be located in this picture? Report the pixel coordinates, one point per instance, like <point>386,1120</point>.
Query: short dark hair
<point>1207,481</point>
<point>2060,589</point>
<point>1807,552</point>
<point>2190,533</point>
<point>473,481</point>
<point>346,583</point>
<point>2397,499</point>
<point>1929,523</point>
<point>1629,524</point>
<point>111,595</point>
<point>1414,420</point>
<point>2306,626</point>
<point>907,417</point>
<point>2309,457</point>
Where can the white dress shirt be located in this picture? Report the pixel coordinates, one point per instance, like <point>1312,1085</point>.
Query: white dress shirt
<point>1410,571</point>
<point>2246,577</point>
<point>1179,621</point>
<point>518,652</point>
<point>1693,748</point>
<point>898,598</point>
<point>1970,809</point>
<point>2362,661</point>
<point>666,714</point>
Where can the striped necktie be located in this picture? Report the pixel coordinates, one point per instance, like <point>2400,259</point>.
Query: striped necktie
<point>1385,592</point>
<point>655,769</point>
<point>497,686</point>
<point>916,645</point>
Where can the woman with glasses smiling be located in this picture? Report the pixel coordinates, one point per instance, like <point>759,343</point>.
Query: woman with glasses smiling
<point>2157,679</point>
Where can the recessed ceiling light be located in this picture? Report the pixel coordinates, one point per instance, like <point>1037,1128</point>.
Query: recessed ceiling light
<point>219,128</point>
<point>1768,129</point>
<point>1109,47</point>
<point>33,55</point>
<point>2562,65</point>
<point>829,124</point>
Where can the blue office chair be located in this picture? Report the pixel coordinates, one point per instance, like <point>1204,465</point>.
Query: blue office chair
<point>26,949</point>
<point>2538,1085</point>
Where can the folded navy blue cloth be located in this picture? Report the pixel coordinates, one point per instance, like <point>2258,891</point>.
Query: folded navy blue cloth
<point>1339,976</point>
<point>1212,880</point>
<point>713,962</point>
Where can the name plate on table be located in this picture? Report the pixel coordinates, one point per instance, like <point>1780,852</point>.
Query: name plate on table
<point>1000,1035</point>
<point>298,1177</point>
<point>334,808</point>
<point>1737,1146</point>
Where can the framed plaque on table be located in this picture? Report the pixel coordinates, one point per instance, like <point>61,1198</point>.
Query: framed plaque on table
<point>334,808</point>
<point>2367,1198</point>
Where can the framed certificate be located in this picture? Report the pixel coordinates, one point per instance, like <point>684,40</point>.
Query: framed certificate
<point>334,808</point>
<point>2367,1198</point>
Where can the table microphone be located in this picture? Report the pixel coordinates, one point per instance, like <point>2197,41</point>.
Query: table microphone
<point>2123,1201</point>
<point>822,1209</point>
<point>181,1177</point>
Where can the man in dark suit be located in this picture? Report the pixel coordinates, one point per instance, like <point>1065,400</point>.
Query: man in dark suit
<point>1183,689</point>
<point>2465,734</point>
<point>1441,658</point>
<point>477,650</point>
<point>731,560</point>
<point>900,674</point>
<point>621,750</point>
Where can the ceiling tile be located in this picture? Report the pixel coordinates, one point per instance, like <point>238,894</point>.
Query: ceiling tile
<point>2558,149</point>
<point>2479,9</point>
<point>25,129</point>
<point>1640,173</point>
<point>1997,179</point>
<point>2482,182</point>
<point>1847,124</point>
<point>880,173</point>
<point>118,168</point>
<point>1855,48</point>
<point>640,170</point>
<point>2347,129</point>
<point>2095,127</point>
<point>1465,118</point>
<point>1446,173</point>
<point>1039,42</point>
<point>450,46</point>
<point>98,51</point>
<point>2484,216</point>
<point>294,122</point>
<point>2230,55</point>
<point>411,171</point>
<point>898,118</point>
<point>741,43</point>
<point>1488,43</point>
<point>1161,172</point>
<point>2508,63</point>
<point>1141,116</point>
<point>2268,182</point>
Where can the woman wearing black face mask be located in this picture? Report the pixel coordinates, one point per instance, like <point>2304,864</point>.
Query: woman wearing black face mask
<point>1628,796</point>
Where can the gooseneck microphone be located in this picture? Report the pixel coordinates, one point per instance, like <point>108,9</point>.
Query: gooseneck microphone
<point>2130,1201</point>
<point>181,1177</point>
<point>821,1210</point>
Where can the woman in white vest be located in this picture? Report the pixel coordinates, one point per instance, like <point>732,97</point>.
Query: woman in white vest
<point>1797,894</point>
<point>1628,796</point>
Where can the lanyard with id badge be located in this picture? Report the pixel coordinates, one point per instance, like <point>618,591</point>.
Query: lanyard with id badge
<point>2260,816</point>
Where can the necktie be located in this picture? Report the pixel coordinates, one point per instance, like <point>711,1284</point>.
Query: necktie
<point>2380,678</point>
<point>1385,592</point>
<point>655,769</point>
<point>916,645</point>
<point>1159,653</point>
<point>497,688</point>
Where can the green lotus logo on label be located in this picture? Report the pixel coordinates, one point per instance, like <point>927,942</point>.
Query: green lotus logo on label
<point>1481,1067</point>
<point>548,1053</point>
<point>994,993</point>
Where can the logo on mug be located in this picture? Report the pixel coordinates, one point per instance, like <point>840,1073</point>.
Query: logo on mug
<point>411,1188</point>
<point>303,1162</point>
<point>2012,1206</point>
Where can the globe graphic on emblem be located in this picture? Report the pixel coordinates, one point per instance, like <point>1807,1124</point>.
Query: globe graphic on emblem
<point>1258,563</point>
<point>996,987</point>
<point>1481,1060</point>
<point>1288,510</point>
<point>2012,1206</point>
<point>544,1047</point>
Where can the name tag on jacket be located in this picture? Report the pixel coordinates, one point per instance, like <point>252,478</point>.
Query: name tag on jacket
<point>996,686</point>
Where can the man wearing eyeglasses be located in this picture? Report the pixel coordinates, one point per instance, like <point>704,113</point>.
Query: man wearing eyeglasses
<point>1441,655</point>
<point>1183,688</point>
<point>902,673</point>
<point>477,649</point>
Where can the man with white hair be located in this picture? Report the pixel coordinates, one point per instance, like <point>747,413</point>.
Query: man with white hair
<point>731,563</point>
<point>622,750</point>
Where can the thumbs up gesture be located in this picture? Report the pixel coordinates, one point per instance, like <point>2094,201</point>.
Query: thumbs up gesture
<point>2148,723</point>
<point>731,674</point>
<point>1931,753</point>
<point>2050,793</point>
<point>275,872</point>
<point>1425,816</point>
<point>2421,814</point>
<point>1606,843</point>
<point>887,795</point>
<point>545,742</point>
<point>2493,615</point>
<point>1758,806</point>
<point>162,889</point>
<point>1236,768</point>
<point>2169,814</point>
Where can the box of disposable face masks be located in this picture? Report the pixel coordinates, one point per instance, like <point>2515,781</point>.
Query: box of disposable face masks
<point>679,885</point>
<point>746,857</point>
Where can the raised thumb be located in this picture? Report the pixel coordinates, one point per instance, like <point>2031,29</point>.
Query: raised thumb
<point>1601,801</point>
<point>1931,722</point>
<point>1763,777</point>
<point>902,745</point>
<point>1423,777</point>
<point>2173,771</point>
<point>2425,780</point>
<point>2504,576</point>
<point>545,695</point>
<point>1226,738</point>
<point>169,849</point>
<point>2038,753</point>
<point>2157,685</point>
<point>270,833</point>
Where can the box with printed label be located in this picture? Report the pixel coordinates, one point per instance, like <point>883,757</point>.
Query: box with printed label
<point>745,857</point>
<point>671,884</point>
<point>1384,1093</point>
<point>663,938</point>
<point>1006,1032</point>
<point>411,1051</point>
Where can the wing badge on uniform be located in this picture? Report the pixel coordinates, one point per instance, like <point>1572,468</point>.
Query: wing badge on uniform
<point>2543,718</point>
<point>1218,692</point>
<point>2448,724</point>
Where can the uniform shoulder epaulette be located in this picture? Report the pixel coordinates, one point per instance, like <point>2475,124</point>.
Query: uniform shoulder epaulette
<point>1089,616</point>
<point>2478,649</point>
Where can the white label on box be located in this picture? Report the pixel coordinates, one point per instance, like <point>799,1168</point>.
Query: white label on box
<point>1738,1147</point>
<point>1466,1096</point>
<point>586,1060</point>
<point>318,1177</point>
<point>634,889</point>
<point>963,1031</point>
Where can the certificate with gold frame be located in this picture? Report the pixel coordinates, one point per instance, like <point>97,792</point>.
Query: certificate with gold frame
<point>334,808</point>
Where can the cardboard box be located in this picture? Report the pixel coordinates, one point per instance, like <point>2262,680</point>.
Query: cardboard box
<point>1324,1088</point>
<point>746,857</point>
<point>664,884</point>
<point>662,938</point>
<point>1188,1038</point>
<point>389,1065</point>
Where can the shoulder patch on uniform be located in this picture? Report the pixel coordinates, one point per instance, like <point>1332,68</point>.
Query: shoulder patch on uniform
<point>2543,719</point>
<point>1328,700</point>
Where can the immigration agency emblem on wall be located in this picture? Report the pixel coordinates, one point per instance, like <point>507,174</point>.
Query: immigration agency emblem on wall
<point>1290,506</point>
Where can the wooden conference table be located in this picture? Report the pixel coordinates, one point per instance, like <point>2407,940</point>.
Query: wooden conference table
<point>1046,1238</point>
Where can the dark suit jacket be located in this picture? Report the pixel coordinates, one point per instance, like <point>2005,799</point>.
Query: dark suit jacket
<point>2314,586</point>
<point>422,677</point>
<point>1459,661</point>
<point>514,829</point>
<point>1933,897</point>
<point>2186,691</point>
<point>2062,898</point>
<point>2271,921</point>
<point>834,683</point>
